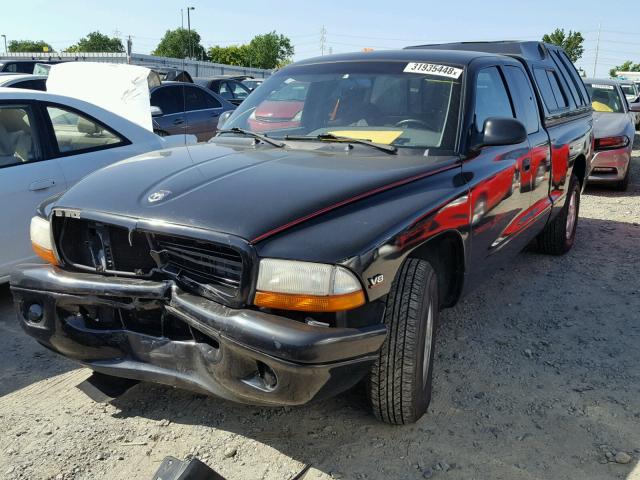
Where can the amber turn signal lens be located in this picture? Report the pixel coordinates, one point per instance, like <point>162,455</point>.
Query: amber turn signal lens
<point>45,254</point>
<point>309,303</point>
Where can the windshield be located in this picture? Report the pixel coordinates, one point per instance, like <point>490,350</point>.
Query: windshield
<point>605,98</point>
<point>383,102</point>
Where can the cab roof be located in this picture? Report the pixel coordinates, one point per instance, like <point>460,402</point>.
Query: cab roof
<point>529,50</point>
<point>458,57</point>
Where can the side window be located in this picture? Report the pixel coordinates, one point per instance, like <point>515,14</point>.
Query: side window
<point>225,91</point>
<point>523,98</point>
<point>17,139</point>
<point>196,99</point>
<point>570,81</point>
<point>212,102</point>
<point>575,75</point>
<point>77,133</point>
<point>31,85</point>
<point>168,99</point>
<point>545,89</point>
<point>552,95</point>
<point>239,90</point>
<point>492,99</point>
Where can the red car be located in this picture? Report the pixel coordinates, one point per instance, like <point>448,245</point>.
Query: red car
<point>281,109</point>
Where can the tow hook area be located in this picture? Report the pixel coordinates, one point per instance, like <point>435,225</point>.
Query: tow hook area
<point>103,388</point>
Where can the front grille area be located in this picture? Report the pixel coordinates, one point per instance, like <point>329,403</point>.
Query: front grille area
<point>209,269</point>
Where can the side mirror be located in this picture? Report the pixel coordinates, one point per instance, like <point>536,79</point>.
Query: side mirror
<point>634,107</point>
<point>501,131</point>
<point>224,116</point>
<point>156,111</point>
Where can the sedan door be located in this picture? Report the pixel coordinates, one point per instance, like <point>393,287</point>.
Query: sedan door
<point>202,112</point>
<point>170,100</point>
<point>26,180</point>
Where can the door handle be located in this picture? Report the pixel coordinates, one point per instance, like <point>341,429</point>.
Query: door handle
<point>178,121</point>
<point>526,164</point>
<point>42,184</point>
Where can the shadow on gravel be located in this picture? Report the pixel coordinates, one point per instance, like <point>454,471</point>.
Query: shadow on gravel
<point>536,377</point>
<point>22,360</point>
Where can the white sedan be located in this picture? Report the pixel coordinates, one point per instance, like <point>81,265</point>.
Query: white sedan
<point>47,143</point>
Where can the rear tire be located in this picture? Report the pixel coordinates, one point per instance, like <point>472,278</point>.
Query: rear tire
<point>558,236</point>
<point>623,184</point>
<point>399,384</point>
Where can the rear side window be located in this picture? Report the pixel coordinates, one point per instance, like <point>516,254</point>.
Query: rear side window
<point>76,133</point>
<point>524,100</point>
<point>31,85</point>
<point>575,75</point>
<point>197,99</point>
<point>568,81</point>
<point>492,99</point>
<point>552,95</point>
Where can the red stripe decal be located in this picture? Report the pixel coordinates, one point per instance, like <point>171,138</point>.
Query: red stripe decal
<point>342,203</point>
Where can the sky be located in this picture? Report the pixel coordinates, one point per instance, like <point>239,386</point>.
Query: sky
<point>350,25</point>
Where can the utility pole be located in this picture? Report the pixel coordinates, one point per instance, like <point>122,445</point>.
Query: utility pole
<point>182,18</point>
<point>5,43</point>
<point>129,48</point>
<point>189,28</point>
<point>595,62</point>
<point>323,39</point>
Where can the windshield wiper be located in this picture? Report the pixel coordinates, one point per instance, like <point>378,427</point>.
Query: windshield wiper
<point>330,137</point>
<point>249,133</point>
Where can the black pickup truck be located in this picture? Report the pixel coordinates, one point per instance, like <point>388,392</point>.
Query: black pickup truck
<point>310,247</point>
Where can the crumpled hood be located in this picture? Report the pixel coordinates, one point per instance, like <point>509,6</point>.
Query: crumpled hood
<point>243,191</point>
<point>607,124</point>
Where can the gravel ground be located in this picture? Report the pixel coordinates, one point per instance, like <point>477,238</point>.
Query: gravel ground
<point>536,377</point>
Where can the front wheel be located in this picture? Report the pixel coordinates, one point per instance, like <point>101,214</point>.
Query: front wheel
<point>399,384</point>
<point>559,235</point>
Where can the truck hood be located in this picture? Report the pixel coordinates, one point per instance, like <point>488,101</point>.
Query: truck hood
<point>250,192</point>
<point>607,124</point>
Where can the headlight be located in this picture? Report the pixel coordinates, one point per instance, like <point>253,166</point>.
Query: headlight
<point>40,232</point>
<point>306,286</point>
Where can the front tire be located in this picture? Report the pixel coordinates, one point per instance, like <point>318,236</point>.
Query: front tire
<point>558,236</point>
<point>399,385</point>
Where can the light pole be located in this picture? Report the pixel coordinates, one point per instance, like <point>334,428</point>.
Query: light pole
<point>5,43</point>
<point>182,18</point>
<point>189,29</point>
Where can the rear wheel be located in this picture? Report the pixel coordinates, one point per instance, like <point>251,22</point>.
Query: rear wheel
<point>559,235</point>
<point>399,385</point>
<point>623,184</point>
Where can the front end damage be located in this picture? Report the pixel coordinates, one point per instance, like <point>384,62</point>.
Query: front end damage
<point>155,331</point>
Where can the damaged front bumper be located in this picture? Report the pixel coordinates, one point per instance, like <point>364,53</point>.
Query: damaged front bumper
<point>153,331</point>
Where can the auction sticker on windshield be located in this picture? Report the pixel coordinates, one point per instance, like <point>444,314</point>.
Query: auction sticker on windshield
<point>433,69</point>
<point>603,87</point>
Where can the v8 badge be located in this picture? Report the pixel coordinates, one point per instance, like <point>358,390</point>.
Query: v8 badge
<point>375,280</point>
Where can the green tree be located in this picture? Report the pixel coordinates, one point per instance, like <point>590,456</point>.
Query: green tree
<point>231,55</point>
<point>97,42</point>
<point>571,42</point>
<point>177,44</point>
<point>29,46</point>
<point>268,51</point>
<point>627,66</point>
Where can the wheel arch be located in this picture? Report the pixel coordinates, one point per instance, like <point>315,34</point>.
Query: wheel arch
<point>446,252</point>
<point>580,169</point>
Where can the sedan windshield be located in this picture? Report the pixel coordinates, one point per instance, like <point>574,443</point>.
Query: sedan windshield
<point>605,98</point>
<point>382,102</point>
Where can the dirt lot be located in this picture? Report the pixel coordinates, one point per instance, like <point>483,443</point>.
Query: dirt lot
<point>537,376</point>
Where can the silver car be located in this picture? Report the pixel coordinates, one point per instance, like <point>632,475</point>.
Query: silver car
<point>47,143</point>
<point>613,129</point>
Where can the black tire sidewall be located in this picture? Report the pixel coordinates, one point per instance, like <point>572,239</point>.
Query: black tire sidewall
<point>422,392</point>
